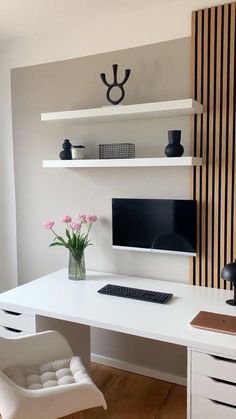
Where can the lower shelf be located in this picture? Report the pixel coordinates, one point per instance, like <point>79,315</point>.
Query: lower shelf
<point>137,162</point>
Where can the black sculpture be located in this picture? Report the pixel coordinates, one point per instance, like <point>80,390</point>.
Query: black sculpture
<point>229,274</point>
<point>115,84</point>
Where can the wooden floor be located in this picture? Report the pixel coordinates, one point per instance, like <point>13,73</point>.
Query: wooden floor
<point>133,396</point>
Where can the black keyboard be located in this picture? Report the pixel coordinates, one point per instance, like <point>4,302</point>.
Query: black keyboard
<point>136,294</point>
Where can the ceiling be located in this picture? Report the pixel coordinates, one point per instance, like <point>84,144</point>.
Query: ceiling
<point>24,18</point>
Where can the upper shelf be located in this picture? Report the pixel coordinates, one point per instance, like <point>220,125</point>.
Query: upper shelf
<point>138,111</point>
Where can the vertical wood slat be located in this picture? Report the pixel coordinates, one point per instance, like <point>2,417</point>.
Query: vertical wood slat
<point>230,196</point>
<point>198,143</point>
<point>193,118</point>
<point>217,146</point>
<point>204,150</point>
<point>231,255</point>
<point>224,142</point>
<point>231,241</point>
<point>214,185</point>
<point>211,143</point>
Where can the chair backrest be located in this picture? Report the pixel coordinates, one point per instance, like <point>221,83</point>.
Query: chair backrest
<point>6,353</point>
<point>13,352</point>
<point>29,350</point>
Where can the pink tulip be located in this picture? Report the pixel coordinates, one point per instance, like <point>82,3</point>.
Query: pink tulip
<point>48,224</point>
<point>66,219</point>
<point>81,218</point>
<point>91,219</point>
<point>75,226</point>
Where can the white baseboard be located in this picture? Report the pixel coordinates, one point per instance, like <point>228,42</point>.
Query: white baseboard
<point>137,369</point>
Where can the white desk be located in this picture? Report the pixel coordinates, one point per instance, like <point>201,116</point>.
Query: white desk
<point>72,307</point>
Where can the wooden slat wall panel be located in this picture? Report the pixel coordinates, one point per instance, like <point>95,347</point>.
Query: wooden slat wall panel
<point>214,185</point>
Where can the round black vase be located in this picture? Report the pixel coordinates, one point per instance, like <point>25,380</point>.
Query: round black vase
<point>174,148</point>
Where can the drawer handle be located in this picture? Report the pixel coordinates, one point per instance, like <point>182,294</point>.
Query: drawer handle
<point>218,380</point>
<point>12,330</point>
<point>223,404</point>
<point>13,313</point>
<point>221,358</point>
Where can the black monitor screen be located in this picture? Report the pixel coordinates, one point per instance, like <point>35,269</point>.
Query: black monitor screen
<point>154,224</point>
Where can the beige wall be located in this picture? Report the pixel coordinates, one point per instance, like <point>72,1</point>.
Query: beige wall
<point>158,72</point>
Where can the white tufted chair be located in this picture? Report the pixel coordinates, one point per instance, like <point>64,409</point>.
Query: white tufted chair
<point>40,378</point>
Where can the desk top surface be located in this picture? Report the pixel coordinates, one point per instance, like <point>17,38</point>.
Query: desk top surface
<point>56,296</point>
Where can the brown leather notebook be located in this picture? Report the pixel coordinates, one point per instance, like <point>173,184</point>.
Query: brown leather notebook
<point>215,322</point>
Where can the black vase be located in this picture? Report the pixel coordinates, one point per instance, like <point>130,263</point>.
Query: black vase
<point>65,154</point>
<point>174,148</point>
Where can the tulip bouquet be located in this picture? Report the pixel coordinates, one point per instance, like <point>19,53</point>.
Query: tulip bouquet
<point>76,241</point>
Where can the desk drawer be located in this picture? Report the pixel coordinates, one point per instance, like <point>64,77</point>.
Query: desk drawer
<point>8,332</point>
<point>212,366</point>
<point>214,389</point>
<point>18,321</point>
<point>202,408</point>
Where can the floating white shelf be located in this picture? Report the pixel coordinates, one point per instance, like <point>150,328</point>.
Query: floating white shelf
<point>142,110</point>
<point>138,162</point>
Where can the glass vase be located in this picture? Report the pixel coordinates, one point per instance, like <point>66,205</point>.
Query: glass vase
<point>77,269</point>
